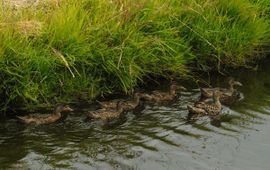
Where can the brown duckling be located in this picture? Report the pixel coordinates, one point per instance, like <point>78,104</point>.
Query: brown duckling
<point>132,104</point>
<point>203,108</point>
<point>107,113</point>
<point>109,104</point>
<point>39,119</point>
<point>126,105</point>
<point>159,96</point>
<point>227,97</point>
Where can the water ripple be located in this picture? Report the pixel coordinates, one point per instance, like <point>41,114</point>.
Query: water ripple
<point>157,136</point>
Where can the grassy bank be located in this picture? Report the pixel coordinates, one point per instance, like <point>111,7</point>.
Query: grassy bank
<point>59,52</point>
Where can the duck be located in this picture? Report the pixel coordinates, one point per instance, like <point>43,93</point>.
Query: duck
<point>132,104</point>
<point>107,113</point>
<point>39,119</point>
<point>127,105</point>
<point>160,96</point>
<point>204,108</point>
<point>228,95</point>
<point>109,104</point>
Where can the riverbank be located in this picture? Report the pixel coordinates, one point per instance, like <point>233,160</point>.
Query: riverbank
<point>153,137</point>
<point>78,50</point>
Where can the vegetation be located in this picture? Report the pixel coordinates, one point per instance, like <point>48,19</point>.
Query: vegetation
<point>80,49</point>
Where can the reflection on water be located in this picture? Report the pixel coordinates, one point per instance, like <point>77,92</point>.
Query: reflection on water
<point>156,137</point>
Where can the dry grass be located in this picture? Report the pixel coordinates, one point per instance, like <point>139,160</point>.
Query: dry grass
<point>20,4</point>
<point>27,28</point>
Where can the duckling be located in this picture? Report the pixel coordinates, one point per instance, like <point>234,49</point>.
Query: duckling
<point>109,104</point>
<point>107,113</point>
<point>159,96</point>
<point>228,96</point>
<point>132,104</point>
<point>127,105</point>
<point>39,119</point>
<point>203,108</point>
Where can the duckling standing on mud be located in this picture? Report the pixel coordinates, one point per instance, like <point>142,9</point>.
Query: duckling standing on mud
<point>159,96</point>
<point>39,119</point>
<point>227,97</point>
<point>107,113</point>
<point>203,108</point>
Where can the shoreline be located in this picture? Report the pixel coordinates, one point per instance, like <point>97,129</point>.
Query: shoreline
<point>80,49</point>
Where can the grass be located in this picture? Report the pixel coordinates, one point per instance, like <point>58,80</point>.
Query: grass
<point>226,33</point>
<point>61,52</point>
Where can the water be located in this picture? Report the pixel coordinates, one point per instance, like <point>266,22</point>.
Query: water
<point>154,137</point>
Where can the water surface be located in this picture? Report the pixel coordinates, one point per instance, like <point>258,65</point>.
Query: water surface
<point>153,137</point>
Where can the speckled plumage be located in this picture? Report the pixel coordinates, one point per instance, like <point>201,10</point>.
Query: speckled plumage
<point>126,104</point>
<point>160,96</point>
<point>227,97</point>
<point>107,113</point>
<point>203,108</point>
<point>45,118</point>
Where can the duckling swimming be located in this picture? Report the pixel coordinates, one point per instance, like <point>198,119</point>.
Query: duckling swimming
<point>132,104</point>
<point>203,108</point>
<point>39,119</point>
<point>107,113</point>
<point>126,105</point>
<point>227,97</point>
<point>159,96</point>
<point>109,104</point>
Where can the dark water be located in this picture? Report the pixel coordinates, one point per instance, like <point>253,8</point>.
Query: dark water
<point>157,137</point>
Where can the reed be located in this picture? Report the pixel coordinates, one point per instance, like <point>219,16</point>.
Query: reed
<point>69,50</point>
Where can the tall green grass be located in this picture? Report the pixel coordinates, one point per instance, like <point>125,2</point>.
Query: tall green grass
<point>228,33</point>
<point>83,49</point>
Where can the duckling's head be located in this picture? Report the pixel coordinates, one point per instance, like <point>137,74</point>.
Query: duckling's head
<point>232,82</point>
<point>63,108</point>
<point>177,87</point>
<point>145,96</point>
<point>237,83</point>
<point>120,105</point>
<point>216,94</point>
<point>138,94</point>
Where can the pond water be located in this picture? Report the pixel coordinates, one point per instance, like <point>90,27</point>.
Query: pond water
<point>153,137</point>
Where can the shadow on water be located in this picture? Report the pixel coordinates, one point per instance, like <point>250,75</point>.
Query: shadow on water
<point>155,136</point>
